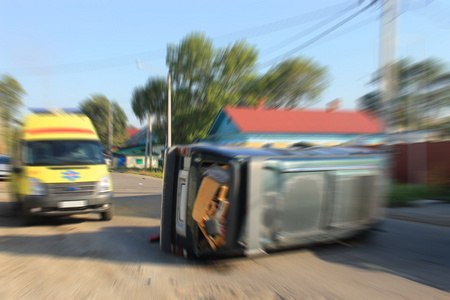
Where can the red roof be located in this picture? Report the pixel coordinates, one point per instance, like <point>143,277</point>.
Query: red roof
<point>132,131</point>
<point>302,121</point>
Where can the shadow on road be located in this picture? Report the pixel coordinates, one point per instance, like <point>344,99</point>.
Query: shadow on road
<point>145,206</point>
<point>109,243</point>
<point>117,244</point>
<point>415,252</point>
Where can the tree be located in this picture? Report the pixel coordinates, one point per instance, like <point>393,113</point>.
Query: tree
<point>205,79</point>
<point>151,99</point>
<point>423,90</point>
<point>11,93</point>
<point>97,108</point>
<point>293,83</point>
<point>371,103</point>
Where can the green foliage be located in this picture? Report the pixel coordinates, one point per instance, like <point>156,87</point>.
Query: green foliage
<point>157,173</point>
<point>371,103</point>
<point>423,90</point>
<point>119,124</point>
<point>152,99</point>
<point>295,82</point>
<point>402,194</point>
<point>204,79</point>
<point>11,93</point>
<point>444,126</point>
<point>97,108</point>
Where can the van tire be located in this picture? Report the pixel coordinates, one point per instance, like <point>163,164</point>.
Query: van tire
<point>108,214</point>
<point>167,219</point>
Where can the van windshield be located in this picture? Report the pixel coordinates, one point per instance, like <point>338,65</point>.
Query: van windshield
<point>51,153</point>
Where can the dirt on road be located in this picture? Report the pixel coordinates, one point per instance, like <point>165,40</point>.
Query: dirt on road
<point>81,257</point>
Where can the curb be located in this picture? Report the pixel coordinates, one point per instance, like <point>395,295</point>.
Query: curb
<point>428,212</point>
<point>429,221</point>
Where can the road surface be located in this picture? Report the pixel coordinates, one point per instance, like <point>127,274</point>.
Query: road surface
<point>81,257</point>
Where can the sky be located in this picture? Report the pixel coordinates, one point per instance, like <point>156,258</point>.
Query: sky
<point>64,51</point>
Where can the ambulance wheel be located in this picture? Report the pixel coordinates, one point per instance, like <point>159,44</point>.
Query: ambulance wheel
<point>16,209</point>
<point>28,220</point>
<point>108,214</point>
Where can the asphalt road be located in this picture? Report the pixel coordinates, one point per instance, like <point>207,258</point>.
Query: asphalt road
<point>81,257</point>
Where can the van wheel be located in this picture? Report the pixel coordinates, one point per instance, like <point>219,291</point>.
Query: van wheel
<point>108,215</point>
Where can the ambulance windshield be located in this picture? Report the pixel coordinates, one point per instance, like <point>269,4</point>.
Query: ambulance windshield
<point>60,152</point>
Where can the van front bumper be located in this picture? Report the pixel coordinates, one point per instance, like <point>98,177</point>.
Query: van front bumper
<point>5,174</point>
<point>63,206</point>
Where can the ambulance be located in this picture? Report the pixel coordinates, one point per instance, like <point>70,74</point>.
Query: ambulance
<point>59,169</point>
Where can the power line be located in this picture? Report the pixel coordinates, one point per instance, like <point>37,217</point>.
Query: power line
<point>129,59</point>
<point>289,22</point>
<point>342,32</point>
<point>305,32</point>
<point>347,30</point>
<point>318,37</point>
<point>440,14</point>
<point>99,64</point>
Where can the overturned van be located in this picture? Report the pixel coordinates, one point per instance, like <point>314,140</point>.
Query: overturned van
<point>220,200</point>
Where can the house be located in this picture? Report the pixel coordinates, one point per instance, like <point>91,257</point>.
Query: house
<point>133,153</point>
<point>279,128</point>
<point>132,131</point>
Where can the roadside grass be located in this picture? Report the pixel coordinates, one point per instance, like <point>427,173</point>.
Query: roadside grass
<point>403,194</point>
<point>157,173</point>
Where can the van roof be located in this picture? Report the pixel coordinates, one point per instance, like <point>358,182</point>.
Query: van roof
<point>233,151</point>
<point>58,127</point>
<point>42,110</point>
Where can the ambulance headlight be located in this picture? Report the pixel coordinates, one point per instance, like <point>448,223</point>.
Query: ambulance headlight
<point>37,187</point>
<point>105,184</point>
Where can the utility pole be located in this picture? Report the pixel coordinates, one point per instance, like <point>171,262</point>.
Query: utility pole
<point>146,149</point>
<point>388,46</point>
<point>150,150</point>
<point>169,112</point>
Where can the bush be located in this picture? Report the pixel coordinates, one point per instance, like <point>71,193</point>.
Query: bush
<point>157,173</point>
<point>402,194</point>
